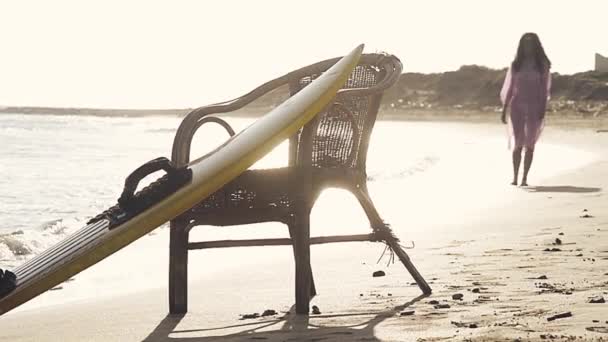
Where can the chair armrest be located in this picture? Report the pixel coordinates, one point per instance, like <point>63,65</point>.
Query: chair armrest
<point>180,155</point>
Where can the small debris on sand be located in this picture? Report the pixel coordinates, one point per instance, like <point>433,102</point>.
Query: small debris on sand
<point>475,290</point>
<point>457,296</point>
<point>442,306</point>
<point>434,302</point>
<point>558,241</point>
<point>315,310</point>
<point>250,316</point>
<point>57,288</point>
<point>542,277</point>
<point>465,325</point>
<point>379,274</point>
<point>269,312</point>
<point>406,313</point>
<point>554,288</point>
<point>597,300</point>
<point>559,316</point>
<point>586,214</point>
<point>560,234</point>
<point>548,337</point>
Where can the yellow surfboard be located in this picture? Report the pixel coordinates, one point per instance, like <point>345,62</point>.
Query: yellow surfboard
<point>171,195</point>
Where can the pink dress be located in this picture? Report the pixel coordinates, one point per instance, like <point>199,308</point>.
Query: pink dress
<point>526,92</point>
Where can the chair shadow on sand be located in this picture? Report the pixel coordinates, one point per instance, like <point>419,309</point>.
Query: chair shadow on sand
<point>563,188</point>
<point>290,327</point>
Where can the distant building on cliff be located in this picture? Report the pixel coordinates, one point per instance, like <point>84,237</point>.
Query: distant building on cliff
<point>601,63</point>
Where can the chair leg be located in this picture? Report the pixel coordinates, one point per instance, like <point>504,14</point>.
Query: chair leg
<point>405,260</point>
<point>178,268</point>
<point>301,245</point>
<point>313,288</point>
<point>376,221</point>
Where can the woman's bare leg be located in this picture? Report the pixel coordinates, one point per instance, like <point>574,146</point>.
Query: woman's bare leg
<point>527,163</point>
<point>516,163</point>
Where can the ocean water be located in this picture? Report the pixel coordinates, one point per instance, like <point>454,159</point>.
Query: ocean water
<point>59,171</point>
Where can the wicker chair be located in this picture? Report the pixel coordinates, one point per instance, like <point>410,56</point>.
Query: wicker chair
<point>328,152</point>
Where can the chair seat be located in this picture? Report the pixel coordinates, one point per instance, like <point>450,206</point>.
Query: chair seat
<point>255,196</point>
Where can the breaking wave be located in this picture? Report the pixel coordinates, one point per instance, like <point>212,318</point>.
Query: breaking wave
<point>20,245</point>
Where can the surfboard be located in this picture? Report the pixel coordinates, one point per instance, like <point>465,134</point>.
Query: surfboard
<point>180,189</point>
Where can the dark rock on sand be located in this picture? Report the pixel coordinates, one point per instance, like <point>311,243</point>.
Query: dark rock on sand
<point>269,312</point>
<point>597,300</point>
<point>315,310</point>
<point>558,241</point>
<point>559,316</point>
<point>552,250</point>
<point>442,306</point>
<point>543,277</point>
<point>406,313</point>
<point>475,290</point>
<point>379,274</point>
<point>457,296</point>
<point>586,214</point>
<point>250,316</point>
<point>548,337</point>
<point>434,302</point>
<point>465,325</point>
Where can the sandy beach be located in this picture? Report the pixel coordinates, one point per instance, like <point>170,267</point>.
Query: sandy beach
<point>505,264</point>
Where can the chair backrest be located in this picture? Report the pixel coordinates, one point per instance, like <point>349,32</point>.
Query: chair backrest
<point>339,136</point>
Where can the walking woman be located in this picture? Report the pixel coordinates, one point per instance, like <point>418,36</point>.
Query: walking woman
<point>525,93</point>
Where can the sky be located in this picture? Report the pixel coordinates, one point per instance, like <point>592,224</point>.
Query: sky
<point>175,54</point>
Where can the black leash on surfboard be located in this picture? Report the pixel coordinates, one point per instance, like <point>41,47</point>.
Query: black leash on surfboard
<point>131,204</point>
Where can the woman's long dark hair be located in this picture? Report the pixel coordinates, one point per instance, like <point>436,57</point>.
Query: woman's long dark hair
<point>540,58</point>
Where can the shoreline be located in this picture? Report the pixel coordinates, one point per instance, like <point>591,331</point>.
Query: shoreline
<point>494,251</point>
<point>559,118</point>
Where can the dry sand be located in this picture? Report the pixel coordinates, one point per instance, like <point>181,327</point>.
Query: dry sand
<point>505,262</point>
